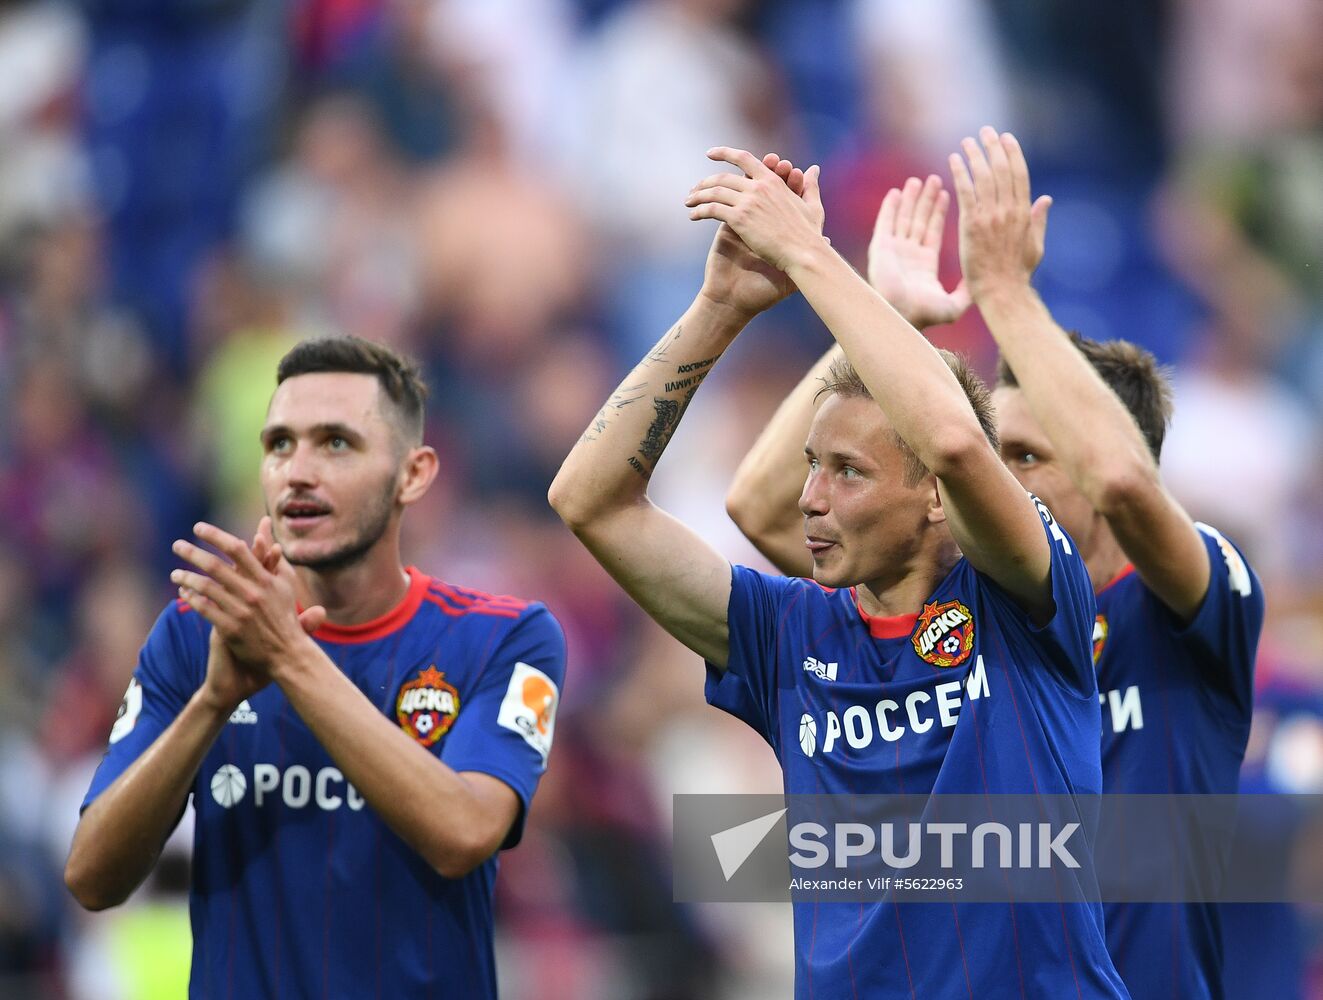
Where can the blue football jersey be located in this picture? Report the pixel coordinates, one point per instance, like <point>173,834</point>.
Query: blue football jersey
<point>299,889</point>
<point>1176,705</point>
<point>967,697</point>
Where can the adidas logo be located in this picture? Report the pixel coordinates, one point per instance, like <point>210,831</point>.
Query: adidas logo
<point>823,671</point>
<point>244,714</point>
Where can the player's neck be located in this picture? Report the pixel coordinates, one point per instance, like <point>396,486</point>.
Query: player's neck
<point>906,594</point>
<point>1103,557</point>
<point>360,592</point>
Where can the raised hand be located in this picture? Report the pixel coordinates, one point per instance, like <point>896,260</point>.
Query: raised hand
<point>761,209</point>
<point>252,607</point>
<point>1002,230</point>
<point>737,278</point>
<point>905,250</point>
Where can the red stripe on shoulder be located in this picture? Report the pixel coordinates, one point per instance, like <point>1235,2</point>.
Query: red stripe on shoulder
<point>445,590</point>
<point>449,609</point>
<point>475,609</point>
<point>471,599</point>
<point>182,606</point>
<point>495,612</point>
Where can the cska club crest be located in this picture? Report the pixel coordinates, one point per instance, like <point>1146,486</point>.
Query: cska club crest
<point>944,634</point>
<point>427,705</point>
<point>1099,637</point>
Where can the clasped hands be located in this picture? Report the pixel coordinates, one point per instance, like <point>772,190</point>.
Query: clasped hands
<point>247,593</point>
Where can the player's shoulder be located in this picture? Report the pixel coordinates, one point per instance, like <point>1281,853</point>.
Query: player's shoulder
<point>178,641</point>
<point>178,619</point>
<point>1220,548</point>
<point>788,593</point>
<point>472,608</point>
<point>458,601</point>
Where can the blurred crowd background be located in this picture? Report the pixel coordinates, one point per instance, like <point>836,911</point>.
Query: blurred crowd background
<point>188,187</point>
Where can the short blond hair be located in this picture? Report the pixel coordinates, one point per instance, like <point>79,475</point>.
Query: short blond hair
<point>843,380</point>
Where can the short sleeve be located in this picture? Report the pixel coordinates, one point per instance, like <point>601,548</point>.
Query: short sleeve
<point>1066,638</point>
<point>747,687</point>
<point>1225,629</point>
<point>170,669</point>
<point>506,728</point>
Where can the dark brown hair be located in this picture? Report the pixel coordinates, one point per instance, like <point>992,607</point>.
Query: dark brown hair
<point>843,380</point>
<point>1132,373</point>
<point>399,377</point>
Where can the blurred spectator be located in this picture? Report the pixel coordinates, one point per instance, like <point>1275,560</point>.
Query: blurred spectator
<point>1237,454</point>
<point>935,73</point>
<point>178,98</point>
<point>514,57</point>
<point>662,81</point>
<point>43,167</point>
<point>117,605</point>
<point>384,53</point>
<point>333,224</point>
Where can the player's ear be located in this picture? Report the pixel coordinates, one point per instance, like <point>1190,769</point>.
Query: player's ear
<point>417,471</point>
<point>936,512</point>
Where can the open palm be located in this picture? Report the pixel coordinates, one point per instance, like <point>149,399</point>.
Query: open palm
<point>905,250</point>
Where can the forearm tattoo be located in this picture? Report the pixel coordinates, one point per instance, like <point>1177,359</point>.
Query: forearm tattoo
<point>621,398</point>
<point>667,408</point>
<point>668,411</point>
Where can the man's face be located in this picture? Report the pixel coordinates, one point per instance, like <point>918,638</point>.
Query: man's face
<point>1028,454</point>
<point>330,471</point>
<point>861,521</point>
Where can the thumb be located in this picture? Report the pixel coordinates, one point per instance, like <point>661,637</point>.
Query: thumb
<point>312,618</point>
<point>960,298</point>
<point>270,559</point>
<point>1038,218</point>
<point>812,193</point>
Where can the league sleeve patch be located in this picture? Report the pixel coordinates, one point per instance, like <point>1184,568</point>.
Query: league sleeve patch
<point>129,710</point>
<point>1238,575</point>
<point>529,707</point>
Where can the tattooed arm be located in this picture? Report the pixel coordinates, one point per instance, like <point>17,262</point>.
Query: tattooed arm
<point>601,489</point>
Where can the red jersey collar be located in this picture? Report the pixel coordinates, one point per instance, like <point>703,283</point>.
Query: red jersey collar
<point>382,626</point>
<point>890,627</point>
<point>1126,570</point>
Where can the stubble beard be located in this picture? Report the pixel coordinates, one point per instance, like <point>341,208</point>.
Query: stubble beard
<point>372,526</point>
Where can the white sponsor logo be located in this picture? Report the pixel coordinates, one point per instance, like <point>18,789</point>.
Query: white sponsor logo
<point>1238,575</point>
<point>822,671</point>
<point>296,786</point>
<point>529,707</point>
<point>228,785</point>
<point>808,734</point>
<point>917,713</point>
<point>1127,710</point>
<point>244,714</point>
<point>129,710</point>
